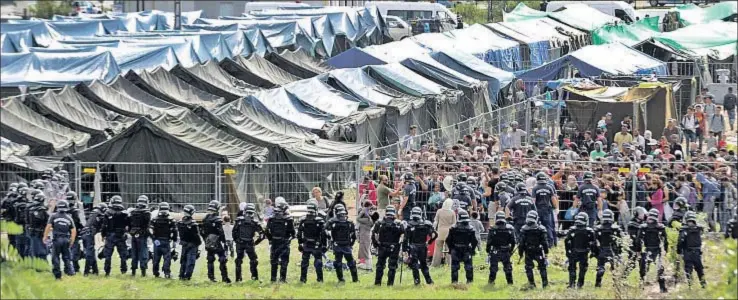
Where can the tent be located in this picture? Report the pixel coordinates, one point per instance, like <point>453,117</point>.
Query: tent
<point>123,97</point>
<point>288,107</point>
<point>577,15</point>
<point>44,137</point>
<point>717,40</point>
<point>691,14</point>
<point>257,71</point>
<point>628,34</point>
<point>69,108</point>
<point>210,78</point>
<point>38,69</point>
<point>471,66</point>
<point>314,93</point>
<point>10,148</point>
<point>521,12</point>
<point>298,63</point>
<point>480,41</point>
<point>167,87</point>
<point>16,41</point>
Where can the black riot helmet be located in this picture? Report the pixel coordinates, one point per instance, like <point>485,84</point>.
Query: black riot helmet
<point>463,216</point>
<point>500,218</point>
<point>461,177</point>
<point>416,213</point>
<point>188,210</point>
<point>62,206</point>
<point>521,189</point>
<point>213,206</point>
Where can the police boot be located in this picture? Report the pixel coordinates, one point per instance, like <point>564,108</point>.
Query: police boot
<point>319,274</point>
<point>95,271</point>
<point>339,274</point>
<point>469,277</point>
<point>88,267</point>
<point>580,282</point>
<point>454,277</point>
<point>239,277</point>
<point>283,274</point>
<point>274,273</point>
<point>572,279</point>
<point>354,274</point>
<point>143,272</point>
<point>492,278</point>
<point>254,271</point>
<point>428,279</point>
<point>416,276</point>
<point>390,277</point>
<point>703,283</point>
<point>378,277</point>
<point>509,277</point>
<point>662,285</point>
<point>133,272</point>
<point>598,281</point>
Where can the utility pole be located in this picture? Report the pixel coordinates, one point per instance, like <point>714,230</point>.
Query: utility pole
<point>177,14</point>
<point>489,11</point>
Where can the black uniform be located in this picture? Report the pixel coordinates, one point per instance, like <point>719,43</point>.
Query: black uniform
<point>519,207</point>
<point>19,216</point>
<point>243,233</point>
<point>579,241</point>
<point>461,192</point>
<point>416,245</point>
<point>62,225</point>
<point>651,236</point>
<point>544,193</point>
<point>690,247</point>
<point>37,217</point>
<point>534,244</point>
<point>343,237</point>
<point>163,232</point>
<point>87,235</point>
<point>76,250</point>
<point>190,240</point>
<point>731,231</point>
<point>634,250</point>
<point>114,232</point>
<point>588,194</point>
<point>462,243</point>
<point>215,243</point>
<point>312,242</point>
<point>677,216</point>
<point>500,244</point>
<point>140,233</point>
<point>386,238</point>
<point>608,237</point>
<point>280,231</point>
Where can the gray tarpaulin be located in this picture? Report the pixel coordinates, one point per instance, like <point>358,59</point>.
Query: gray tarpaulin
<point>299,63</point>
<point>257,71</point>
<point>289,108</point>
<point>45,137</point>
<point>165,86</point>
<point>316,94</point>
<point>210,78</point>
<point>475,68</point>
<point>69,108</point>
<point>125,98</point>
<point>9,148</point>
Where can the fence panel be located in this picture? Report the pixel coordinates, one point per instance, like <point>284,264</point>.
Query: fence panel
<point>33,168</point>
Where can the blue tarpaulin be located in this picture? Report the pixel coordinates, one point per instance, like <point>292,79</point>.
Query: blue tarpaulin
<point>58,69</point>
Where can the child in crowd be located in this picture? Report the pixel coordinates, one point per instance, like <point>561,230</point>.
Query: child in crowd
<point>228,229</point>
<point>268,211</point>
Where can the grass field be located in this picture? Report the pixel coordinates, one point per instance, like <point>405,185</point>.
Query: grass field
<point>29,283</point>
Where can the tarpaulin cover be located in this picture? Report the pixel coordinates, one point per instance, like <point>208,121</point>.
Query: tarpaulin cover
<point>522,12</point>
<point>475,68</point>
<point>262,68</point>
<point>125,98</point>
<point>536,30</point>
<point>407,81</point>
<point>299,63</point>
<point>716,40</point>
<point>486,45</point>
<point>354,58</point>
<point>39,31</point>
<point>45,137</point>
<point>577,15</point>
<point>62,30</point>
<point>58,69</point>
<point>288,107</point>
<point>690,14</point>
<point>170,88</point>
<point>148,58</point>
<point>69,108</point>
<point>8,148</point>
<point>210,78</point>
<point>628,34</point>
<point>320,96</point>
<point>16,41</point>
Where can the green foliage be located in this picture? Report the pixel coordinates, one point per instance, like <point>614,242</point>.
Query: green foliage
<point>48,8</point>
<point>20,276</point>
<point>476,12</point>
<point>471,13</point>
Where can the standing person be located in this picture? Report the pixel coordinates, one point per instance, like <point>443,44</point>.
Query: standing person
<point>546,202</point>
<point>37,216</point>
<point>538,88</point>
<point>190,241</point>
<point>386,238</point>
<point>94,225</point>
<point>717,124</point>
<point>365,223</point>
<point>709,109</point>
<point>579,242</point>
<point>500,244</point>
<point>114,230</point>
<point>731,231</point>
<point>651,236</point>
<point>710,192</point>
<point>517,135</point>
<point>228,230</point>
<point>317,193</point>
<point>74,213</point>
<point>670,129</point>
<point>534,246</point>
<point>246,227</point>
<point>280,231</point>
<point>729,103</point>
<point>61,226</point>
<point>702,128</point>
<point>729,195</point>
<point>445,218</point>
<point>623,137</point>
<point>140,232</point>
<point>519,206</point>
<point>689,127</point>
<point>608,236</point>
<point>311,241</point>
<point>657,197</point>
<point>462,244</point>
<point>163,232</point>
<point>589,198</point>
<point>215,242</point>
<point>343,236</point>
<point>419,234</point>
<point>690,247</point>
<point>410,141</point>
<point>384,192</point>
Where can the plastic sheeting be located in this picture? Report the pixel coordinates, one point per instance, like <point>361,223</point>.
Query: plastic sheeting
<point>299,63</point>
<point>486,45</point>
<point>716,40</point>
<point>210,78</point>
<point>521,12</point>
<point>8,148</point>
<point>583,17</point>
<point>475,68</point>
<point>45,137</point>
<point>17,41</point>
<point>58,69</point>
<point>691,14</point>
<point>288,107</point>
<point>123,97</point>
<point>628,34</point>
<point>262,68</point>
<point>316,94</point>
<point>170,88</point>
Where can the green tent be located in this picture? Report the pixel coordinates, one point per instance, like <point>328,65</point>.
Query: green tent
<point>630,35</point>
<point>690,14</point>
<point>522,12</point>
<point>716,40</point>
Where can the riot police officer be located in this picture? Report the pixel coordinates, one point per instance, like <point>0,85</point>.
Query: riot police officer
<point>546,202</point>
<point>386,236</point>
<point>519,206</point>
<point>17,214</point>
<point>534,247</point>
<point>311,241</point>
<point>690,247</point>
<point>37,217</point>
<point>462,243</point>
<point>280,231</point>
<point>87,234</point>
<point>589,199</point>
<point>64,233</point>
<point>189,238</point>
<point>608,236</point>
<point>7,202</point>
<point>343,237</point>
<point>500,244</point>
<point>215,242</point>
<point>680,210</point>
<point>243,232</point>
<point>416,243</point>
<point>114,231</point>
<point>74,213</point>
<point>462,192</point>
<point>163,232</point>
<point>731,231</point>
<point>579,241</point>
<point>410,193</point>
<point>501,197</point>
<point>634,226</point>
<point>651,236</point>
<point>139,231</point>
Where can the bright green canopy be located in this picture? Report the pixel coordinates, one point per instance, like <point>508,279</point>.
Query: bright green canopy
<point>718,40</point>
<point>522,12</point>
<point>630,35</point>
<point>690,14</point>
<point>576,15</point>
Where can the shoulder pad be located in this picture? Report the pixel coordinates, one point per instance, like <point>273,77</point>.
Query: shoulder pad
<point>319,219</point>
<point>508,226</point>
<point>543,228</point>
<point>661,226</point>
<point>644,225</point>
<point>428,223</point>
<point>404,223</point>
<point>303,218</point>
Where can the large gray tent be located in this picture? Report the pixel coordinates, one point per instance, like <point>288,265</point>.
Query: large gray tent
<point>257,71</point>
<point>211,78</point>
<point>165,86</point>
<point>123,97</point>
<point>299,63</point>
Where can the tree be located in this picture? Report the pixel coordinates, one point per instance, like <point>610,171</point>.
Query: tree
<point>48,8</point>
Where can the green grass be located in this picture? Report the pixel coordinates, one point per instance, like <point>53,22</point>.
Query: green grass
<point>34,284</point>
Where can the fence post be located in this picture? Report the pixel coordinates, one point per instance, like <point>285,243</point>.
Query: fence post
<point>359,180</point>
<point>526,106</point>
<point>634,175</point>
<point>78,178</point>
<point>217,181</point>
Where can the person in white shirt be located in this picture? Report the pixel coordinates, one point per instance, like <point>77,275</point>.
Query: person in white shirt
<point>689,127</point>
<point>409,141</point>
<point>638,139</point>
<point>516,135</point>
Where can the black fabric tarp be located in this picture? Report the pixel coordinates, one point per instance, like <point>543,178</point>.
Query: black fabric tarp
<point>210,78</point>
<point>257,71</point>
<point>123,97</point>
<point>69,108</point>
<point>22,125</point>
<point>165,86</point>
<point>298,62</point>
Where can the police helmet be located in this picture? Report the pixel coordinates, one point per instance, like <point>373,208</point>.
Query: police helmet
<point>588,177</point>
<point>37,184</point>
<point>681,202</point>
<point>35,192</point>
<point>312,208</point>
<point>23,191</point>
<point>461,177</point>
<point>653,214</point>
<point>463,215</point>
<point>501,186</point>
<point>22,185</point>
<point>640,213</point>
<point>13,185</point>
<point>102,207</point>
<point>116,202</point>
<point>63,173</point>
<point>408,176</point>
<point>312,201</point>
<point>541,177</point>
<point>39,198</point>
<point>213,205</point>
<point>416,213</point>
<point>504,177</point>
<point>690,216</point>
<point>531,217</point>
<point>62,206</point>
<point>71,196</point>
<point>250,208</point>
<point>163,206</point>
<point>500,217</point>
<point>339,207</point>
<point>56,178</point>
<point>581,219</point>
<point>607,216</point>
<point>341,213</point>
<point>520,188</point>
<point>519,178</point>
<point>390,211</point>
<point>47,173</point>
<point>188,210</point>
